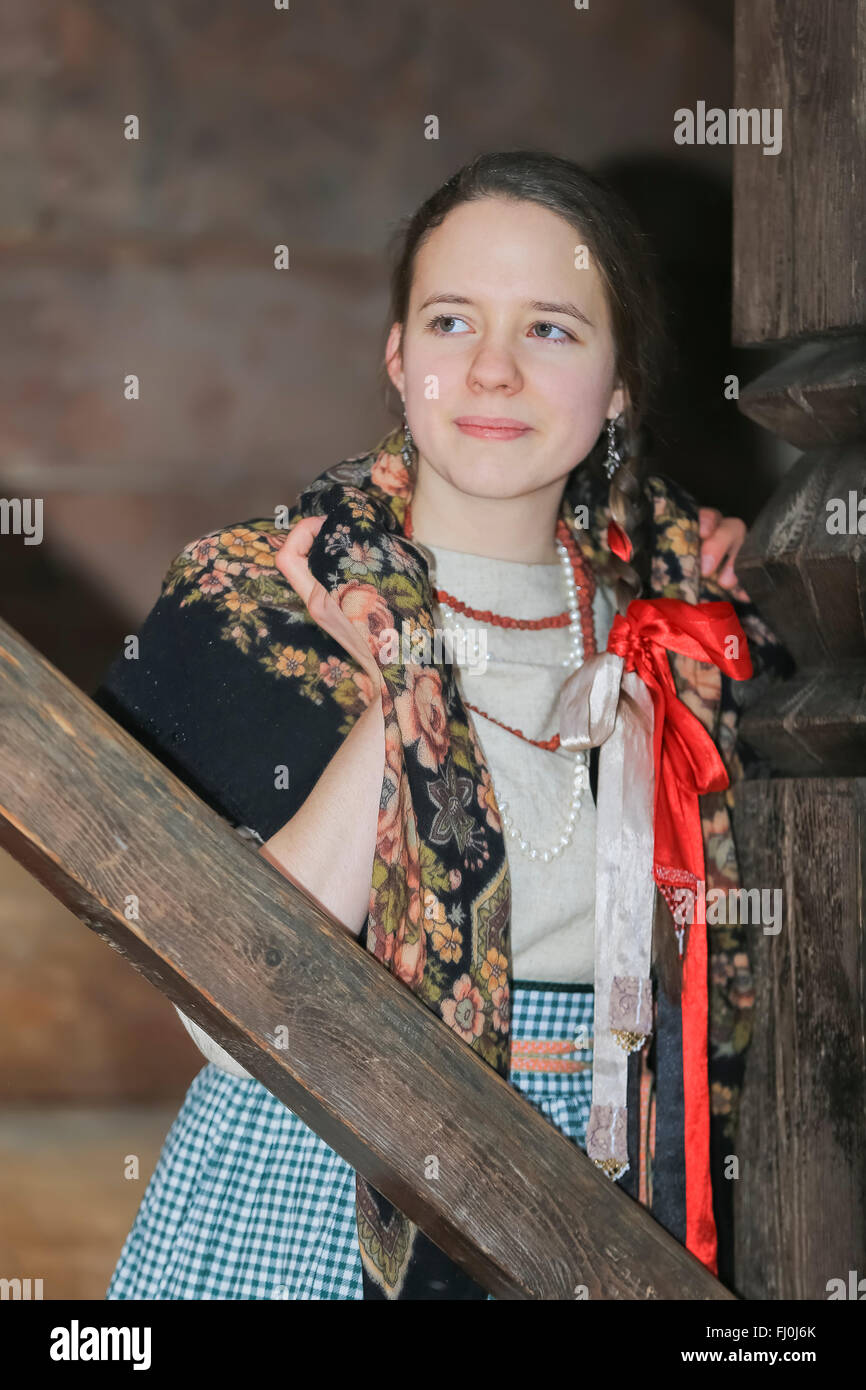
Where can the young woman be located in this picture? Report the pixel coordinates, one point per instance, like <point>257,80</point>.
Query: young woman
<point>513,505</point>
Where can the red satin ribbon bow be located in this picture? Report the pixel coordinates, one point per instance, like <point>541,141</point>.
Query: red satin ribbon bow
<point>687,764</point>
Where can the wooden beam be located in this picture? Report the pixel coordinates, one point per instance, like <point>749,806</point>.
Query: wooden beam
<point>798,232</point>
<point>290,994</point>
<point>800,1203</point>
<point>799,214</point>
<point>798,235</point>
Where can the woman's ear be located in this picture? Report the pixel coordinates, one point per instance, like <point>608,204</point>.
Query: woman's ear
<point>393,359</point>
<point>618,402</point>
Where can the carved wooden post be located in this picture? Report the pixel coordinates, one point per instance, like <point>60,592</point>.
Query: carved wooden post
<point>799,241</point>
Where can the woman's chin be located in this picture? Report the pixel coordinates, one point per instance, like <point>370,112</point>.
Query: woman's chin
<point>495,482</point>
<point>492,477</point>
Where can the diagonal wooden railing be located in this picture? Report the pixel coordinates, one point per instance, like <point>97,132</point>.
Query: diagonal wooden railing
<point>295,999</point>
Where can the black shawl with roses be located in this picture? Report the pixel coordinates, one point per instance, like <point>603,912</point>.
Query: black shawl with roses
<point>234,679</point>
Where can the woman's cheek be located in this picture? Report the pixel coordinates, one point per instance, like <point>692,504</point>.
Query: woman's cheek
<point>572,411</point>
<point>584,404</point>
<point>438,381</point>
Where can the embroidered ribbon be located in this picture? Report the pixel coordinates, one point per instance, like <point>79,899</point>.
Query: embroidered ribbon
<point>625,700</point>
<point>604,704</point>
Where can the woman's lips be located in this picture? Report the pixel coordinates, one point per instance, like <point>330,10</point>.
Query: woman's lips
<point>493,428</point>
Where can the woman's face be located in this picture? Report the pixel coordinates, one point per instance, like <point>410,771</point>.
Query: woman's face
<point>503,325</point>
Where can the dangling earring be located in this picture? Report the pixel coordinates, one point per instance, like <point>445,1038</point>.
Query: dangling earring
<point>614,451</point>
<point>408,441</point>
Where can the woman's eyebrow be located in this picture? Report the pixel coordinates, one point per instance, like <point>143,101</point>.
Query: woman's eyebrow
<point>541,305</point>
<point>567,307</point>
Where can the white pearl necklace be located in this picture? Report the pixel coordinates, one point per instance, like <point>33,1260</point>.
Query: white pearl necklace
<point>581,770</point>
<point>533,851</point>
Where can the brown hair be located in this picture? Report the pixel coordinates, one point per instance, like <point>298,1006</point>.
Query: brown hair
<point>625,263</point>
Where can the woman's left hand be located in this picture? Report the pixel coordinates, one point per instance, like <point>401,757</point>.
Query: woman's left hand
<point>721,538</point>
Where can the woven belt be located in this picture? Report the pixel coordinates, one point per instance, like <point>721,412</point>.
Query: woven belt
<point>550,1054</point>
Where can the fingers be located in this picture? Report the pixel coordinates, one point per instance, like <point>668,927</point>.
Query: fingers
<point>299,541</point>
<point>720,548</point>
<point>708,520</point>
<point>291,560</point>
<point>727,577</point>
<point>723,545</point>
<point>729,581</point>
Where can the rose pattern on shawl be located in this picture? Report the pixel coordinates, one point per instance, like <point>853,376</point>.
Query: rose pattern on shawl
<point>394,924</point>
<point>421,712</point>
<point>391,810</point>
<point>451,863</point>
<point>364,605</point>
<point>390,473</point>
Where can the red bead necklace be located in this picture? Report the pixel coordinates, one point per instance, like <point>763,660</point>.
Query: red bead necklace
<point>585,586</point>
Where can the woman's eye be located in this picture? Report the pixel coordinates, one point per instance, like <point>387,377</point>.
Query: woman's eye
<point>442,324</point>
<point>437,324</point>
<point>556,328</point>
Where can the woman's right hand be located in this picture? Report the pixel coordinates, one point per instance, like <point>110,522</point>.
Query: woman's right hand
<point>291,561</point>
<point>327,854</point>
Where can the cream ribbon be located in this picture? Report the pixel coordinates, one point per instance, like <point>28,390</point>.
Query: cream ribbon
<point>603,705</point>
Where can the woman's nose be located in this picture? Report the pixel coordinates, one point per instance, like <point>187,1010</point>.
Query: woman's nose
<point>494,366</point>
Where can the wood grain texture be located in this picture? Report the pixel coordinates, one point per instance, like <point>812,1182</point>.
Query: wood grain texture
<point>814,724</point>
<point>816,396</point>
<point>810,585</point>
<point>227,938</point>
<point>801,1197</point>
<point>808,582</point>
<point>799,214</point>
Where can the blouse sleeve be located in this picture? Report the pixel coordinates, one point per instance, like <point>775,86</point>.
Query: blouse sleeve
<point>212,1051</point>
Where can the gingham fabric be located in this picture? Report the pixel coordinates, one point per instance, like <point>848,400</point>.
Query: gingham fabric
<point>246,1201</point>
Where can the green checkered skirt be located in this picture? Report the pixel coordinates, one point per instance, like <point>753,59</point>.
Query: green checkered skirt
<point>246,1201</point>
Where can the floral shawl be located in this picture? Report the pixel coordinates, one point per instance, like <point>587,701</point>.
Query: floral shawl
<point>234,679</point>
